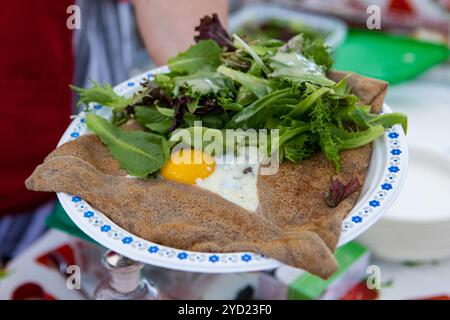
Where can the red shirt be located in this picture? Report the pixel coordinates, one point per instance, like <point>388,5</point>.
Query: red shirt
<point>36,67</point>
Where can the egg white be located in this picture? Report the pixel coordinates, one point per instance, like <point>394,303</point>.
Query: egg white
<point>229,180</point>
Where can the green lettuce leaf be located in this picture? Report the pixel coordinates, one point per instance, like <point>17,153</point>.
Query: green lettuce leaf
<point>361,116</point>
<point>287,133</point>
<point>139,153</point>
<point>351,140</point>
<point>257,85</point>
<point>298,148</point>
<point>322,126</point>
<point>202,83</point>
<point>151,118</point>
<point>103,95</point>
<point>252,53</point>
<point>306,103</point>
<point>316,50</point>
<point>205,55</point>
<point>258,112</point>
<point>386,120</point>
<point>313,49</point>
<point>295,67</point>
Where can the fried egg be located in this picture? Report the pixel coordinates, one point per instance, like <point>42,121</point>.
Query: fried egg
<point>231,176</point>
<point>188,165</point>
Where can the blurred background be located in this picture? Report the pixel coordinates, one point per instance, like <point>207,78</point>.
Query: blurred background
<point>50,44</point>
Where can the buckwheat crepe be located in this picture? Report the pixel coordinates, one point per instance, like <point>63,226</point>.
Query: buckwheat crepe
<point>293,223</point>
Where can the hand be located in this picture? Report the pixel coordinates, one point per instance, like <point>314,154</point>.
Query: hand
<point>167,27</point>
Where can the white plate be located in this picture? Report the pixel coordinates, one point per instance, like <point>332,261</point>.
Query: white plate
<point>384,180</point>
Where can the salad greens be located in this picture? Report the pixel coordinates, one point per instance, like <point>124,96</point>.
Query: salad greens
<point>101,94</point>
<point>203,56</point>
<point>141,153</point>
<point>295,67</point>
<point>229,84</point>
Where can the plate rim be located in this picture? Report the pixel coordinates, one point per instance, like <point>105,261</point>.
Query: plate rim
<point>84,216</point>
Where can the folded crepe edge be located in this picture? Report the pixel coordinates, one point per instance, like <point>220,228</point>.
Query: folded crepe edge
<point>305,249</point>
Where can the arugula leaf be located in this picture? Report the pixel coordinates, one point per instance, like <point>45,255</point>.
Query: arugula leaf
<point>160,127</point>
<point>139,153</point>
<point>295,67</point>
<point>205,55</point>
<point>103,95</point>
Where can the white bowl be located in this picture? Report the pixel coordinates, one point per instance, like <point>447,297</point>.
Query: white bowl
<point>335,29</point>
<point>417,227</point>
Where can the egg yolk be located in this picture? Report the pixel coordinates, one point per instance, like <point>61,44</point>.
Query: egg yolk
<point>188,165</point>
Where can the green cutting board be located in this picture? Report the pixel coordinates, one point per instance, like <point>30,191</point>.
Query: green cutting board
<point>391,58</point>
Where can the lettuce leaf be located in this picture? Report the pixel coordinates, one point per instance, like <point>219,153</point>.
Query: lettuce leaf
<point>351,140</point>
<point>322,126</point>
<point>299,148</point>
<point>103,95</point>
<point>257,85</point>
<point>306,103</point>
<point>295,67</point>
<point>202,83</point>
<point>139,153</point>
<point>252,53</point>
<point>258,112</point>
<point>151,118</point>
<point>205,55</point>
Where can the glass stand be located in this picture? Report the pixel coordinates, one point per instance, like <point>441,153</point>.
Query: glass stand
<point>124,281</point>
